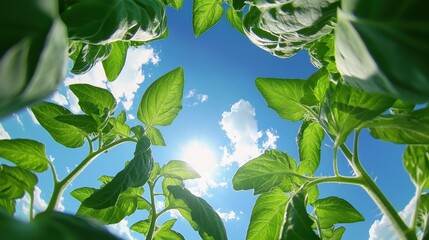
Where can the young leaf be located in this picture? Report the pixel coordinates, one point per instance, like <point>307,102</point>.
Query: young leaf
<point>114,63</point>
<point>88,56</point>
<point>14,181</point>
<point>179,170</point>
<point>205,14</point>
<point>135,174</point>
<point>100,97</point>
<point>25,153</point>
<point>122,117</point>
<point>416,161</point>
<point>270,169</point>
<point>119,128</point>
<point>155,172</point>
<point>298,223</point>
<point>268,215</point>
<point>333,210</point>
<point>210,226</point>
<point>235,19</point>
<point>347,108</point>
<point>162,100</point>
<point>283,95</point>
<point>84,122</point>
<point>309,141</point>
<point>402,128</point>
<point>155,136</point>
<point>63,133</point>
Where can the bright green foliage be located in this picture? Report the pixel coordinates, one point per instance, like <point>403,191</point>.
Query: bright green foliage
<point>210,225</point>
<point>83,122</point>
<point>284,28</point>
<point>106,21</point>
<point>334,233</point>
<point>25,153</point>
<point>8,205</point>
<point>155,136</point>
<point>309,141</point>
<point>15,181</point>
<point>333,210</point>
<point>94,100</point>
<point>268,215</point>
<point>176,4</point>
<point>368,43</point>
<point>179,170</point>
<point>322,54</point>
<point>162,232</point>
<point>162,100</point>
<point>114,63</point>
<point>235,18</point>
<point>32,50</point>
<point>62,133</point>
<point>141,226</point>
<point>205,14</point>
<point>416,161</point>
<point>135,174</point>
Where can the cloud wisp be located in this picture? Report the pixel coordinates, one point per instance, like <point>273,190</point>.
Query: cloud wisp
<point>3,133</point>
<point>193,98</point>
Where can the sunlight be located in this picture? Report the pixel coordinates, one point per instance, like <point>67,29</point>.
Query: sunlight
<point>200,157</point>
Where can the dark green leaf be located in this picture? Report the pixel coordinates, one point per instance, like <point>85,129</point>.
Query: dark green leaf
<point>88,56</point>
<point>135,174</point>
<point>162,100</point>
<point>268,215</point>
<point>210,226</point>
<point>238,4</point>
<point>284,28</point>
<point>205,14</point>
<point>26,153</point>
<point>235,19</point>
<point>170,182</point>
<point>309,141</point>
<point>271,169</point>
<point>155,136</point>
<point>14,181</point>
<point>138,131</point>
<point>404,129</point>
<point>105,21</point>
<point>368,43</point>
<point>84,122</point>
<point>8,205</point>
<point>333,210</point>
<point>179,170</point>
<point>416,161</point>
<point>63,133</point>
<point>114,63</point>
<point>298,223</point>
<point>347,108</point>
<point>103,100</point>
<point>33,53</point>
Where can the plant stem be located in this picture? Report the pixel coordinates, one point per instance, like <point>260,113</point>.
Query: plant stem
<point>60,186</point>
<point>154,214</point>
<point>415,216</point>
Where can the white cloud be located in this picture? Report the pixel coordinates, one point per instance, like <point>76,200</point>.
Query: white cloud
<point>382,229</point>
<point>159,205</point>
<point>174,213</point>
<point>131,116</point>
<point>39,205</point>
<point>3,133</point>
<point>18,120</point>
<point>33,118</point>
<point>59,99</point>
<point>241,128</point>
<point>227,215</point>
<point>195,98</point>
<point>121,229</point>
<point>125,86</point>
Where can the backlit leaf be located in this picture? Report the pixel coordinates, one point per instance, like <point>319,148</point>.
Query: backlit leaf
<point>205,14</point>
<point>333,210</point>
<point>100,97</point>
<point>309,141</point>
<point>114,63</point>
<point>84,122</point>
<point>88,56</point>
<point>235,19</point>
<point>333,234</point>
<point>25,153</point>
<point>155,136</point>
<point>416,161</point>
<point>141,226</point>
<point>178,169</point>
<point>14,181</point>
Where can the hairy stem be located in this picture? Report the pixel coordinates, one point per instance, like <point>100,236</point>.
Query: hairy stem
<point>151,230</point>
<point>60,186</point>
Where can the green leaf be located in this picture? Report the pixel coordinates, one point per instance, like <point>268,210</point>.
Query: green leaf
<point>25,153</point>
<point>416,161</point>
<point>162,100</point>
<point>309,141</point>
<point>170,182</point>
<point>62,133</point>
<point>346,108</point>
<point>138,131</point>
<point>141,226</point>
<point>155,172</point>
<point>84,122</point>
<point>106,21</point>
<point>268,215</point>
<point>402,128</point>
<point>333,210</point>
<point>33,53</point>
<point>155,136</point>
<point>15,181</point>
<point>114,63</point>
<point>165,232</point>
<point>176,4</point>
<point>283,95</point>
<point>333,234</point>
<point>298,223</point>
<point>210,226</point>
<point>119,128</point>
<point>271,169</point>
<point>237,4</point>
<point>322,54</point>
<point>88,56</point>
<point>135,174</point>
<point>103,100</point>
<point>49,224</point>
<point>8,205</point>
<point>178,169</point>
<point>284,28</point>
<point>122,117</point>
<point>315,89</point>
<point>205,14</point>
<point>235,19</point>
<point>126,205</point>
<point>423,215</point>
<point>401,107</point>
<point>368,43</point>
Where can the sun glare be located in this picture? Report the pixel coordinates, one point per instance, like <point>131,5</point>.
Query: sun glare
<point>200,157</point>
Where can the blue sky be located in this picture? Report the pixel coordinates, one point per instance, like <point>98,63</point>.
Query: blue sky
<point>224,117</point>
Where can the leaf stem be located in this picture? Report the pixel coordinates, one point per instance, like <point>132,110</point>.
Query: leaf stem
<point>31,205</point>
<point>319,229</point>
<point>337,173</point>
<point>60,186</point>
<point>91,148</point>
<point>415,216</point>
<point>151,230</point>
